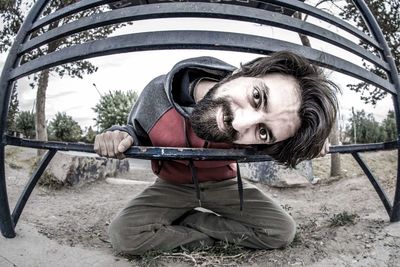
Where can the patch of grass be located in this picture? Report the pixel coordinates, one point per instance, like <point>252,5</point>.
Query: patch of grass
<point>31,162</point>
<point>50,181</point>
<point>298,239</point>
<point>47,179</point>
<point>383,164</point>
<point>324,210</point>
<point>14,165</point>
<point>11,158</point>
<point>12,151</point>
<point>287,207</point>
<point>220,254</point>
<point>303,231</point>
<point>342,219</point>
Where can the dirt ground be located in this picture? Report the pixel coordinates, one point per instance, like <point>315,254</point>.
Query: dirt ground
<point>341,221</point>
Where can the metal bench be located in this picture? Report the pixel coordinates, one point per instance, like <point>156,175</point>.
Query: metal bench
<point>276,13</point>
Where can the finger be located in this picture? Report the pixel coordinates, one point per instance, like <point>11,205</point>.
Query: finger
<point>109,144</point>
<point>116,140</point>
<point>327,148</point>
<point>96,146</point>
<point>102,146</point>
<point>125,144</point>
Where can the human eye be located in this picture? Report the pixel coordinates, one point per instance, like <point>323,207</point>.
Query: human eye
<point>256,96</point>
<point>263,133</point>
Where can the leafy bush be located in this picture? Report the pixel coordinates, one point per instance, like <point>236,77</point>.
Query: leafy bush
<point>114,108</point>
<point>89,136</point>
<point>64,128</point>
<point>25,123</point>
<point>363,128</point>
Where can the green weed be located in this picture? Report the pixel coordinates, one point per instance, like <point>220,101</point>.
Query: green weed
<point>342,219</point>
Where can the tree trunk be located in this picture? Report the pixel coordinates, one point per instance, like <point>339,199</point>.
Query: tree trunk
<point>335,158</point>
<point>40,119</point>
<point>40,123</point>
<point>334,137</point>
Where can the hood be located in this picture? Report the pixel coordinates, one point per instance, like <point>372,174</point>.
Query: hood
<point>208,67</point>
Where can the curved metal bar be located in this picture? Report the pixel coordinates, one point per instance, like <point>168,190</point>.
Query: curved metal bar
<point>195,40</point>
<point>395,78</point>
<point>204,10</point>
<point>375,183</point>
<point>315,12</point>
<point>66,11</point>
<point>6,223</point>
<point>5,78</point>
<point>395,215</point>
<point>295,5</point>
<point>31,185</point>
<point>377,32</point>
<point>6,85</point>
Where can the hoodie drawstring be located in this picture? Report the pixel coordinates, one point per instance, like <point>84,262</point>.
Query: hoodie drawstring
<point>195,178</point>
<point>193,169</point>
<point>240,185</point>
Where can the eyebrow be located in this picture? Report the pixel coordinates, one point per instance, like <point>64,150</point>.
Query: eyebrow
<point>265,94</point>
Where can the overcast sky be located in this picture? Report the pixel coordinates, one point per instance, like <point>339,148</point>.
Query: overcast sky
<point>133,71</point>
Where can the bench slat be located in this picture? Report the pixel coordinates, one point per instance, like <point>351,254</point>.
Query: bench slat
<point>203,10</point>
<point>212,40</point>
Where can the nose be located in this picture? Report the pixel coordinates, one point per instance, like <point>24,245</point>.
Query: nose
<point>244,119</point>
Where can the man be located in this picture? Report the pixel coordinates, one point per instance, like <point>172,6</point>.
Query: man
<point>280,104</point>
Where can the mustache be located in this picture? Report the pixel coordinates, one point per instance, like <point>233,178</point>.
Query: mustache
<point>204,121</point>
<point>227,116</point>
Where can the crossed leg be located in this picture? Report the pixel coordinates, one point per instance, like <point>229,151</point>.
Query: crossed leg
<point>157,219</point>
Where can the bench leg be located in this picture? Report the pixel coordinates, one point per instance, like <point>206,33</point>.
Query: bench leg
<point>375,183</point>
<point>395,216</point>
<point>31,185</point>
<point>6,223</point>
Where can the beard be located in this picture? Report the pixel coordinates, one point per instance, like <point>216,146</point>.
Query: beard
<point>204,121</point>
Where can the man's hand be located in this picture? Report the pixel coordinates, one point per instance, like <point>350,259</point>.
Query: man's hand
<point>112,144</point>
<point>325,149</point>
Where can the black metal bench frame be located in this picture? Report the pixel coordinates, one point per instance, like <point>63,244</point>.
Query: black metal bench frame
<point>254,11</point>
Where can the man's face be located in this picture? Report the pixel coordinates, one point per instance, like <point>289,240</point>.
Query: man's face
<point>249,110</point>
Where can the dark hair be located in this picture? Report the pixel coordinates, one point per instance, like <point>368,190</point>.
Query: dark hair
<point>317,111</point>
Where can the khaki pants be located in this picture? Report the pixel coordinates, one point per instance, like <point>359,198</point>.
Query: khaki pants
<point>160,218</point>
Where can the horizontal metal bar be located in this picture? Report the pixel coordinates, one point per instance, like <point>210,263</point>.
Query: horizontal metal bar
<point>203,10</point>
<point>196,40</point>
<point>165,153</point>
<point>375,183</point>
<point>31,185</point>
<point>189,153</point>
<point>365,147</point>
